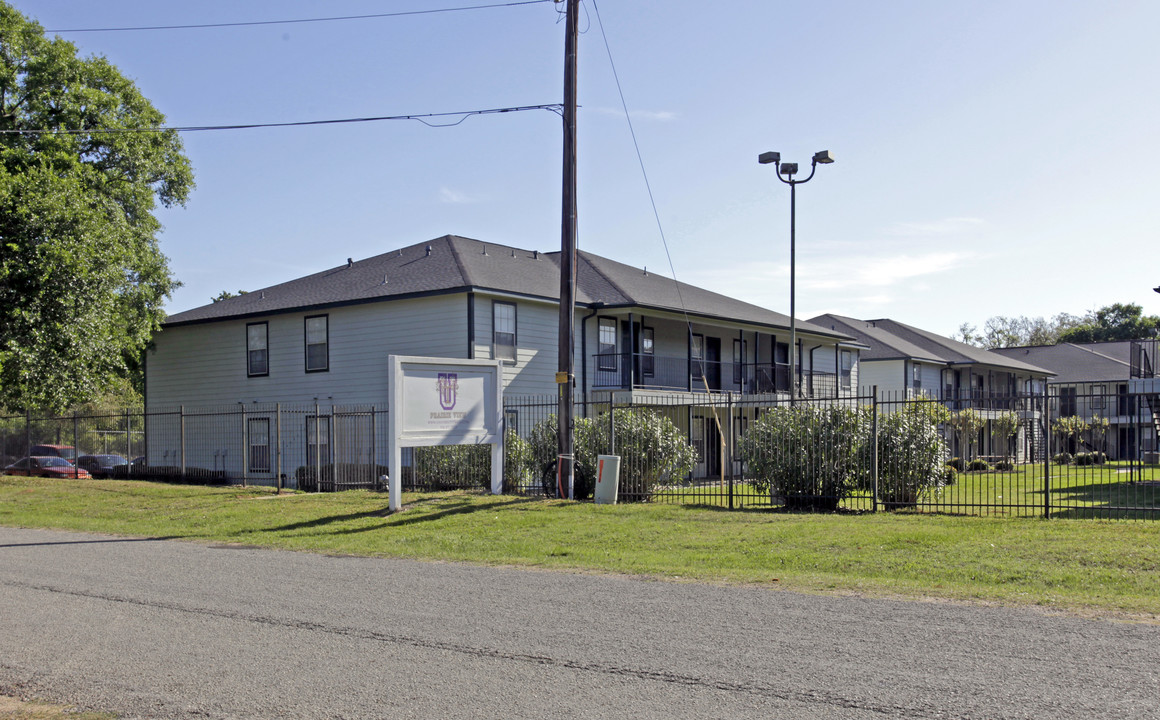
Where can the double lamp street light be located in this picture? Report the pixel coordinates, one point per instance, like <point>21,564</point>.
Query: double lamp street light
<point>788,170</point>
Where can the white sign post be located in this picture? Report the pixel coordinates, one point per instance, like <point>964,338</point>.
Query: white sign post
<point>444,401</point>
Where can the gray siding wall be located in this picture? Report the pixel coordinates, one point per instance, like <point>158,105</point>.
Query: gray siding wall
<point>204,365</point>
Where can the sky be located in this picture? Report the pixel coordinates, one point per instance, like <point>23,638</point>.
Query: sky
<point>991,157</point>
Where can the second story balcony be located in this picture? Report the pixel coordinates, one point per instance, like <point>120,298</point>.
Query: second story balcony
<point>640,371</point>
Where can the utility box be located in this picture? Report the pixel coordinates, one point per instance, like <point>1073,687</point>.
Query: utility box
<point>607,479</point>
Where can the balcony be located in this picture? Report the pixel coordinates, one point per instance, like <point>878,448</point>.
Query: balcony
<point>1143,361</point>
<point>628,371</point>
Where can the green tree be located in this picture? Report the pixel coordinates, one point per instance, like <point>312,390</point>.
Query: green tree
<point>1119,321</point>
<point>967,423</point>
<point>1005,426</point>
<point>226,295</point>
<point>82,279</point>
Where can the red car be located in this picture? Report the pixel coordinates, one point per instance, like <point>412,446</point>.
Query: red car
<point>46,467</point>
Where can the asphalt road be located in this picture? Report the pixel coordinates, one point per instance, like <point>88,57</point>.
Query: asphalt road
<point>167,629</point>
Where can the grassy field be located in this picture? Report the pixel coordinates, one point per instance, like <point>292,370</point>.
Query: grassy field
<point>1076,565</point>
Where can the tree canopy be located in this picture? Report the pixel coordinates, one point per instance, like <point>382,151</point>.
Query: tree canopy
<point>82,278</point>
<point>1119,321</point>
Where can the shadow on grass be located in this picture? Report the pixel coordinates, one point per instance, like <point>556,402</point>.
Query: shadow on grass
<point>1111,500</point>
<point>442,508</point>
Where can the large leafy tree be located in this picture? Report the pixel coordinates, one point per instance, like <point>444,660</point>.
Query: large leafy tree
<point>82,279</point>
<point>1119,321</point>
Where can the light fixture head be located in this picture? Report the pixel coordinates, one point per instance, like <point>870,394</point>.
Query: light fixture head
<point>766,158</point>
<point>824,157</point>
<point>788,168</point>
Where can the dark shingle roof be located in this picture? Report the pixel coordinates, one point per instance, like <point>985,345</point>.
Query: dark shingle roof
<point>890,339</point>
<point>457,264</point>
<point>1078,362</point>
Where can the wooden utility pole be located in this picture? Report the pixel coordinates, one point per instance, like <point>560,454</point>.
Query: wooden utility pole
<point>566,376</point>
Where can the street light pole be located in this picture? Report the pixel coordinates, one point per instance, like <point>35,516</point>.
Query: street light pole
<point>825,157</point>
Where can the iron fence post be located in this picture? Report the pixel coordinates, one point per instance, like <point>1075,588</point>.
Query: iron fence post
<point>245,445</point>
<point>611,422</point>
<point>317,449</point>
<point>874,448</point>
<point>1046,453</point>
<point>181,412</point>
<point>731,450</point>
<point>76,445</point>
<point>278,444</point>
<point>374,449</point>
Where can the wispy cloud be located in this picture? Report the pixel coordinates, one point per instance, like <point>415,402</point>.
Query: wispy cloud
<point>946,226</point>
<point>869,279</point>
<point>654,115</point>
<point>454,197</point>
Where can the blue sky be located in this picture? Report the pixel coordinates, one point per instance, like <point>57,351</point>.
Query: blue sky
<point>993,157</point>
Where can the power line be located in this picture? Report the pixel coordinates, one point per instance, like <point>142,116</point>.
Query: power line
<point>640,161</point>
<point>302,20</point>
<point>423,118</point>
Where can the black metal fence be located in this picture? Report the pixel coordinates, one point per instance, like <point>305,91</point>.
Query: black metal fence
<point>1070,451</point>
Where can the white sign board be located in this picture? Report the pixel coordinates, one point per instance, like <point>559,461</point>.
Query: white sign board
<point>444,401</point>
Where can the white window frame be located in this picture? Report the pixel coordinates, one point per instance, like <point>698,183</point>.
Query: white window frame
<point>324,343</point>
<point>252,352</point>
<point>605,350</point>
<point>254,430</point>
<point>846,368</point>
<point>499,338</point>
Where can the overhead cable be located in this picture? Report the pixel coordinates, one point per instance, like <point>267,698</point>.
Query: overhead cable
<point>423,118</point>
<point>302,20</point>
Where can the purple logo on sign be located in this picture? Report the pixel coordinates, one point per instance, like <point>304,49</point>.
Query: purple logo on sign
<point>448,384</point>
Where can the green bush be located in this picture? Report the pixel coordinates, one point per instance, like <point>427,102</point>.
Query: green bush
<point>957,464</point>
<point>518,462</point>
<point>653,452</point>
<point>978,466</point>
<point>950,475</point>
<point>812,457</point>
<point>910,457</point>
<point>1063,458</point>
<point>1004,466</point>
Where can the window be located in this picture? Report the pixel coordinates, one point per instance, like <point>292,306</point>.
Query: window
<point>916,376</point>
<point>317,440</point>
<point>1066,401</point>
<point>738,361</point>
<point>257,356</point>
<point>647,346</point>
<point>1097,398</point>
<point>317,343</point>
<point>781,367</point>
<point>503,323</point>
<point>607,344</point>
<point>696,355</point>
<point>258,432</point>
<point>511,421</point>
<point>846,368</point>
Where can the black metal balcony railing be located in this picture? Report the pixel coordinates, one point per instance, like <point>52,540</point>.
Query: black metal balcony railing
<point>624,371</point>
<point>1143,361</point>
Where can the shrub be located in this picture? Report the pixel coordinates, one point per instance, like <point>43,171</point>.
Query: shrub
<point>978,466</point>
<point>1062,458</point>
<point>586,446</point>
<point>956,463</point>
<point>910,457</point>
<point>653,451</point>
<point>1004,466</point>
<point>518,462</point>
<point>810,456</point>
<point>1084,458</point>
<point>950,475</point>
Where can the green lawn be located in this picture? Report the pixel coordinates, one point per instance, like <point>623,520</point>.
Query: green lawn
<point>1113,491</point>
<point>1084,565</point>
